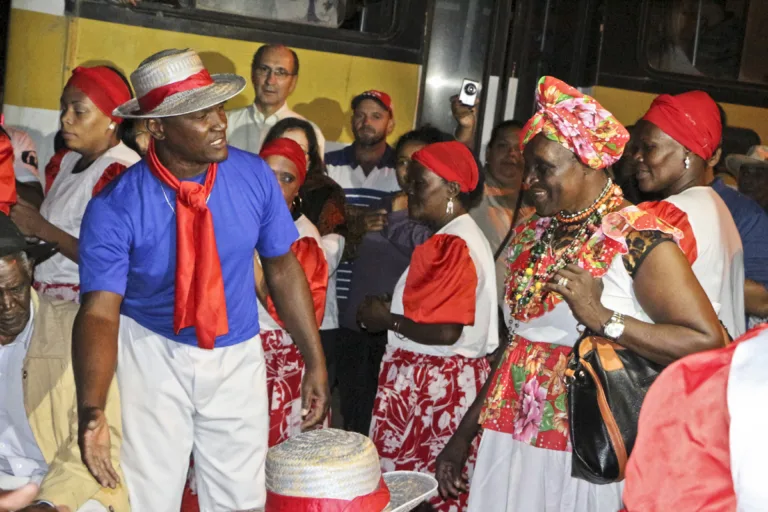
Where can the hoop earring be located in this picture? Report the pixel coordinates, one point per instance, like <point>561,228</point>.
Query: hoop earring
<point>297,204</point>
<point>449,207</point>
<point>687,161</point>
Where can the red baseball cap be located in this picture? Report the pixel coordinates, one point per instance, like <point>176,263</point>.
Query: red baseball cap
<point>379,97</point>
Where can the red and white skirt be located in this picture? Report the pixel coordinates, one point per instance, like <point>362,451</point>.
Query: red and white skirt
<point>420,402</point>
<point>285,368</point>
<point>60,291</point>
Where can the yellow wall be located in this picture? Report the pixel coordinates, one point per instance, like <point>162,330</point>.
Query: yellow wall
<point>35,66</point>
<point>629,106</point>
<point>326,86</point>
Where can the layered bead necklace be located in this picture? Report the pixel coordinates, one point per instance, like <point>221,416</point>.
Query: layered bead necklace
<point>526,282</point>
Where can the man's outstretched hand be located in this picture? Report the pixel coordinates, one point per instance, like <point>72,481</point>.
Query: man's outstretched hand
<point>95,447</point>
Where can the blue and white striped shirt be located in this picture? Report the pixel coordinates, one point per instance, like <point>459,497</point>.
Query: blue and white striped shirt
<point>360,190</point>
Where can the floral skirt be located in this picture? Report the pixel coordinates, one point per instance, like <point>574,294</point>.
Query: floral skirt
<point>285,368</point>
<point>420,402</point>
<point>527,398</point>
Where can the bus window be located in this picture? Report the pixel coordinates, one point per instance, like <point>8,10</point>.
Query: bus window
<point>355,15</point>
<point>720,39</point>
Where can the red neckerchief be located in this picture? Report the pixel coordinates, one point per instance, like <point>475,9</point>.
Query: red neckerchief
<point>200,300</point>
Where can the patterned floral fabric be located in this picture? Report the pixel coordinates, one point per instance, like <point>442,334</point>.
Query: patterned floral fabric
<point>577,122</point>
<point>527,398</point>
<point>595,256</point>
<point>420,401</point>
<point>285,368</point>
<point>59,291</point>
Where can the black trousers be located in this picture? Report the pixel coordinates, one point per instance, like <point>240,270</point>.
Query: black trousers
<point>357,362</point>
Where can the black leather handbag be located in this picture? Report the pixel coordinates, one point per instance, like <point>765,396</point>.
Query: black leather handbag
<point>606,386</point>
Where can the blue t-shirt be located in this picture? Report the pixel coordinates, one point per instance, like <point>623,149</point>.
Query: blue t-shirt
<point>128,242</point>
<point>752,223</point>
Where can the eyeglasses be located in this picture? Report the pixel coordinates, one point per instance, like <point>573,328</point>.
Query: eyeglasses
<point>280,73</point>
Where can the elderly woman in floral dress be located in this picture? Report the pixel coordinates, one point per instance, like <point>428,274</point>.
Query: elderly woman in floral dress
<point>590,259</point>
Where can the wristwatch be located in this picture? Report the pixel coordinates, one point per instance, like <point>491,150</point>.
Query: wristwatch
<point>614,327</point>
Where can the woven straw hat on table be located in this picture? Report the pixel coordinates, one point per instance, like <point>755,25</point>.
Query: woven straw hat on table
<point>170,67</point>
<point>335,464</point>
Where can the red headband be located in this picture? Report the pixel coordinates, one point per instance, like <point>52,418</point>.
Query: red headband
<point>289,149</point>
<point>691,118</point>
<point>103,86</point>
<point>452,161</point>
<point>373,502</point>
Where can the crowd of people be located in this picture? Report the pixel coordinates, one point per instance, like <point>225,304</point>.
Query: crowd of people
<point>186,291</point>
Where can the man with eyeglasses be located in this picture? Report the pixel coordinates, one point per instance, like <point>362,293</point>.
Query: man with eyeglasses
<point>274,74</point>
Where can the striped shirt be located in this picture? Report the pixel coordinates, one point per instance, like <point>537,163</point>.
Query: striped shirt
<point>359,190</point>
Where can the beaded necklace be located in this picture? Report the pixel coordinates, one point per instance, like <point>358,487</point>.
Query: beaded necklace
<point>543,263</point>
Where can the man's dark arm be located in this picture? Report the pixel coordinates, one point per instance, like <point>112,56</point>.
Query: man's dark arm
<point>31,192</point>
<point>289,290</point>
<point>94,359</point>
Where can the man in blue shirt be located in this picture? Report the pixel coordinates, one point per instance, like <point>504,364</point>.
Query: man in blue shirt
<point>166,266</point>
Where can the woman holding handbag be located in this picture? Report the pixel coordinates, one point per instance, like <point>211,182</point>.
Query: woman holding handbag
<point>588,260</point>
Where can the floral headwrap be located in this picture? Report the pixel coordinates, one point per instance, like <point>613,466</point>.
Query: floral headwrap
<point>577,122</point>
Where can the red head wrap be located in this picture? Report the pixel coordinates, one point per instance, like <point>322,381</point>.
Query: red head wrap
<point>577,122</point>
<point>103,86</point>
<point>452,161</point>
<point>691,118</point>
<point>289,149</point>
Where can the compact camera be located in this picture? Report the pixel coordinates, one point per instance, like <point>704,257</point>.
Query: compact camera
<point>468,94</point>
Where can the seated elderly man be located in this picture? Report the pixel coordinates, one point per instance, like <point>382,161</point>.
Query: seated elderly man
<point>40,466</point>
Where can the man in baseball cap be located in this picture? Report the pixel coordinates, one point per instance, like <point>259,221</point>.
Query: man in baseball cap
<point>166,264</point>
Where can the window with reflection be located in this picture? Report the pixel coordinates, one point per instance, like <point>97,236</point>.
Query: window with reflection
<point>369,16</point>
<point>722,39</point>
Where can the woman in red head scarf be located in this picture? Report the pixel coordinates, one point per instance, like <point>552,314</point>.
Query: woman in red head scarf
<point>587,260</point>
<point>284,363</point>
<point>672,147</point>
<point>93,156</point>
<point>442,319</point>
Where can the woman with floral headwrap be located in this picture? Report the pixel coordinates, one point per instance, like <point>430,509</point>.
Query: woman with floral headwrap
<point>588,258</point>
<point>93,156</point>
<point>672,147</point>
<point>441,320</point>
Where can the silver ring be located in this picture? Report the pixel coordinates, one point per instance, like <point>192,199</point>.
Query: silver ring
<point>563,281</point>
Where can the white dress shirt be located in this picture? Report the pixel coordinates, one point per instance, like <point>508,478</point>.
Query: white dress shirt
<point>247,127</point>
<point>20,458</point>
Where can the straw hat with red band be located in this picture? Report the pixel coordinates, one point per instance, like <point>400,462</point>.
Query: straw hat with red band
<point>331,470</point>
<point>175,82</point>
<point>103,86</point>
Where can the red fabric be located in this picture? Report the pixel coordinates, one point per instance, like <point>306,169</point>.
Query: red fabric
<point>285,368</point>
<point>200,300</point>
<point>373,502</point>
<point>111,172</point>
<point>289,149</point>
<point>7,175</point>
<point>312,260</point>
<point>155,97</point>
<point>441,285</point>
<point>673,215</point>
<point>419,403</point>
<point>452,161</point>
<point>103,86</point>
<point>691,118</point>
<point>681,459</point>
<point>53,167</point>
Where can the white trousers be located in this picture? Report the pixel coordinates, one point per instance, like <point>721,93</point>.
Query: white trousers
<point>179,399</point>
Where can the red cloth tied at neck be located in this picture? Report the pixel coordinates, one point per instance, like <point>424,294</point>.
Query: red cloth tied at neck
<point>452,161</point>
<point>7,175</point>
<point>104,88</point>
<point>691,118</point>
<point>156,96</point>
<point>199,301</point>
<point>289,149</point>
<point>373,502</point>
